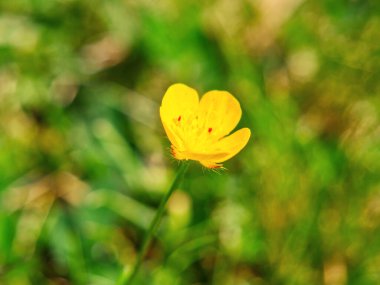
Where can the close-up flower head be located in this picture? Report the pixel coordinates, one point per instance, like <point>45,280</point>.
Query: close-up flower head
<point>200,129</point>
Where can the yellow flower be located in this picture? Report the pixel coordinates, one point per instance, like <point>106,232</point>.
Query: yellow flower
<point>199,129</point>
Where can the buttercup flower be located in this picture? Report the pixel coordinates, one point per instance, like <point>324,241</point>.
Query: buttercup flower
<point>200,129</point>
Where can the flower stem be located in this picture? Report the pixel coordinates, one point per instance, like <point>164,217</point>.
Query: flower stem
<point>126,279</point>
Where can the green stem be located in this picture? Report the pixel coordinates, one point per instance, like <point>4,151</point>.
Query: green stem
<point>128,279</point>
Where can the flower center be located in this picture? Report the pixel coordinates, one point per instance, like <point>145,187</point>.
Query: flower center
<point>194,133</point>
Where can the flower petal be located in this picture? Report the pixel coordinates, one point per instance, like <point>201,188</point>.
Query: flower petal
<point>200,156</point>
<point>223,149</point>
<point>179,102</point>
<point>220,112</point>
<point>173,136</point>
<point>232,144</point>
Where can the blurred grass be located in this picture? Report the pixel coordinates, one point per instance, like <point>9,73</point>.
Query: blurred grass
<point>84,160</point>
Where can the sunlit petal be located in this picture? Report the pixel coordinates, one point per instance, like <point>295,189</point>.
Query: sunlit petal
<point>179,101</point>
<point>220,112</point>
<point>232,144</point>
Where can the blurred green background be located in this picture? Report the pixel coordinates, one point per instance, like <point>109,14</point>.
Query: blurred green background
<point>84,159</point>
